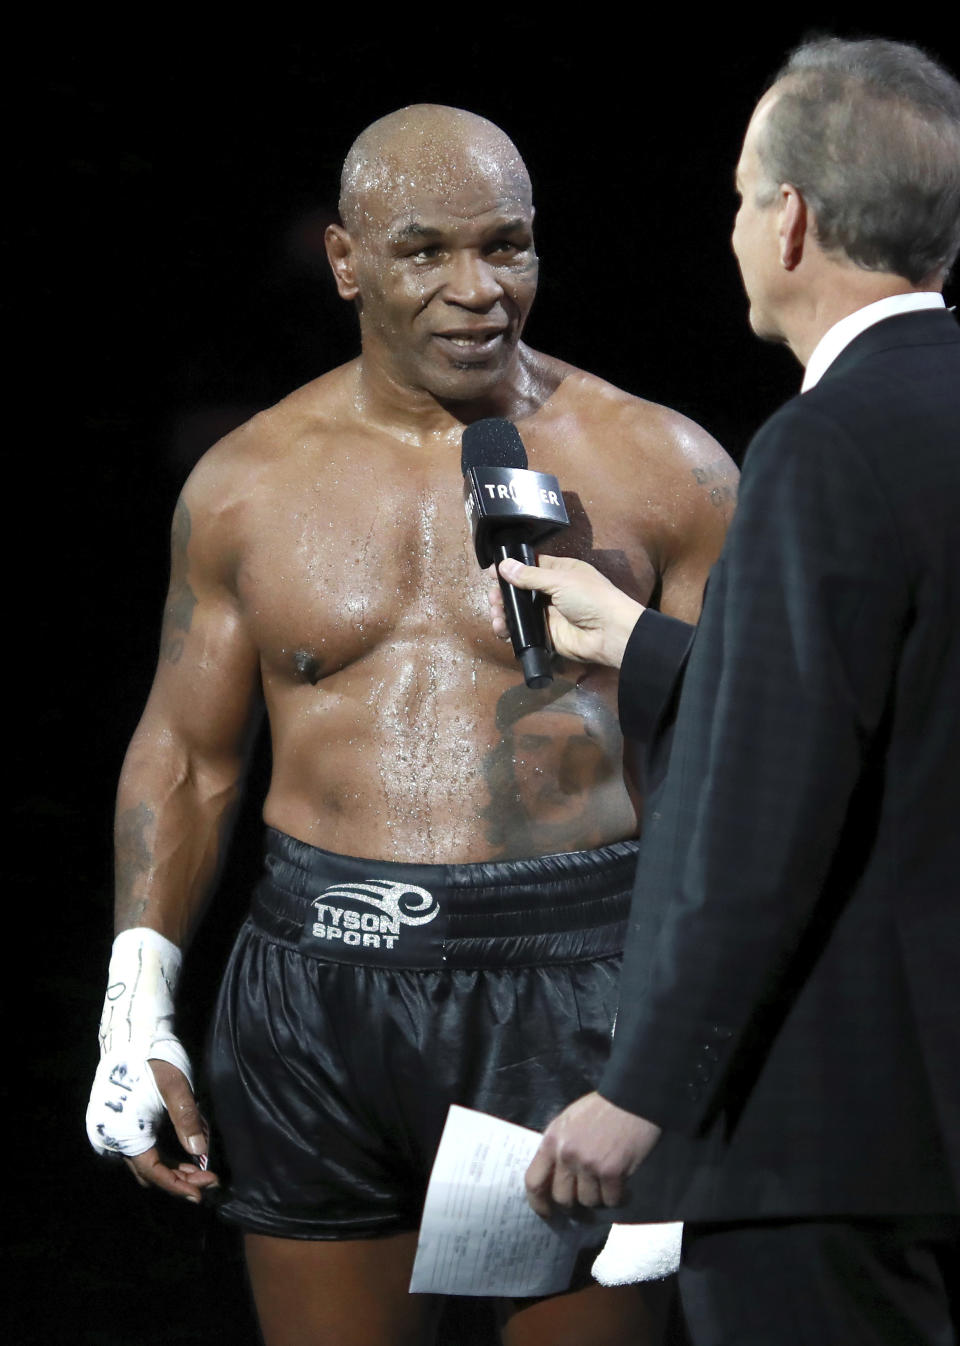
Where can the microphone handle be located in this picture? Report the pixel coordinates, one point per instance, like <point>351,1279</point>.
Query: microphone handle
<point>524,610</point>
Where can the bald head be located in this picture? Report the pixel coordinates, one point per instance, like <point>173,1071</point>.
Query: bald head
<point>426,150</point>
<point>436,251</point>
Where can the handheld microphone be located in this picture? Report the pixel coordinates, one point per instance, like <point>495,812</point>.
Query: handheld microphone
<point>510,509</point>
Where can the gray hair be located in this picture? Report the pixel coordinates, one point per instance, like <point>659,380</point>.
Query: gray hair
<point>869,132</point>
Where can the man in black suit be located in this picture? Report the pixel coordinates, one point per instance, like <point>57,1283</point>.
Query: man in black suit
<point>785,1074</point>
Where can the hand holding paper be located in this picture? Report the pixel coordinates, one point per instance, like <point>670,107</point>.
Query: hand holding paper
<point>479,1236</point>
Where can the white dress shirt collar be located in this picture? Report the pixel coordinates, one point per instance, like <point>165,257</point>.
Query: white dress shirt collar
<point>837,337</point>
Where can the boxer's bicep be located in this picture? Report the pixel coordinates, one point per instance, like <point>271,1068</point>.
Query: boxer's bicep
<point>207,675</point>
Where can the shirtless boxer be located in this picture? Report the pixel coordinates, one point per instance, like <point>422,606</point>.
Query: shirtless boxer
<point>321,559</point>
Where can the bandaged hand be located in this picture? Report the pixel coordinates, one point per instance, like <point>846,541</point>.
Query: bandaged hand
<point>136,1026</point>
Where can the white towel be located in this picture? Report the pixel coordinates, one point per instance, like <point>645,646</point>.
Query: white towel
<point>638,1252</point>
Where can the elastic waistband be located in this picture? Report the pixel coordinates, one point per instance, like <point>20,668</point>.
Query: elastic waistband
<point>551,908</point>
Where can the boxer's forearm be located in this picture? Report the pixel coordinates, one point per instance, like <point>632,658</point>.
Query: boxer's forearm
<point>174,811</point>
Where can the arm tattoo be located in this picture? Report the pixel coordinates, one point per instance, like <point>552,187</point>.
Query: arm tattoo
<point>133,860</point>
<point>181,600</point>
<point>716,478</point>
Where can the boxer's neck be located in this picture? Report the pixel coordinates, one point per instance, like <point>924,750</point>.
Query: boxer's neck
<point>417,416</point>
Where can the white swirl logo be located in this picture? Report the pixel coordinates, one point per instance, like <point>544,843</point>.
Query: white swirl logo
<point>394,904</point>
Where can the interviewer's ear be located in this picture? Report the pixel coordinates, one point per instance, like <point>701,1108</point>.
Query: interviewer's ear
<point>793,226</point>
<point>340,255</point>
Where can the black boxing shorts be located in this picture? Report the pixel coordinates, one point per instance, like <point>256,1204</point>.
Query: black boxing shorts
<point>363,997</point>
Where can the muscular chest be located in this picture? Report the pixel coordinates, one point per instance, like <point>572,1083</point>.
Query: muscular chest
<point>343,560</point>
<point>336,565</point>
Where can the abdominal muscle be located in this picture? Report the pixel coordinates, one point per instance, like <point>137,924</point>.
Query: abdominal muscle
<point>427,755</point>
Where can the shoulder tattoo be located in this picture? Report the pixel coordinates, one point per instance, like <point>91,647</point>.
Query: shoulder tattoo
<point>720,483</point>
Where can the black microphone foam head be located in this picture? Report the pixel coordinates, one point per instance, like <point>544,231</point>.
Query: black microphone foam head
<point>493,442</point>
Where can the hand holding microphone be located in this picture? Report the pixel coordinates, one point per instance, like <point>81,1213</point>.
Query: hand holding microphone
<point>510,510</point>
<point>588,618</point>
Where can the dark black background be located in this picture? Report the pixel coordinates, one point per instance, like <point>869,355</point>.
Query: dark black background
<point>168,187</point>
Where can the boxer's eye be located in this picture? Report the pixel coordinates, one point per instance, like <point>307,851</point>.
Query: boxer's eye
<point>508,248</point>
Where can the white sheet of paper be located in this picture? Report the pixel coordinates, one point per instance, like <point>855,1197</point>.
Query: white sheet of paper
<point>479,1235</point>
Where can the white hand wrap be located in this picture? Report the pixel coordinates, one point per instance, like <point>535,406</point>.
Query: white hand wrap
<point>638,1252</point>
<point>137,1024</point>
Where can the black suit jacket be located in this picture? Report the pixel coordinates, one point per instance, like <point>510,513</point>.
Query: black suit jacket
<point>790,1000</point>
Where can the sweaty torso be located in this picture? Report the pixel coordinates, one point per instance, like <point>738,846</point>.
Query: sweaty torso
<point>401,727</point>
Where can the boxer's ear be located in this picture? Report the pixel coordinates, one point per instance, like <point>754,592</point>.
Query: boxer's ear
<point>340,255</point>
